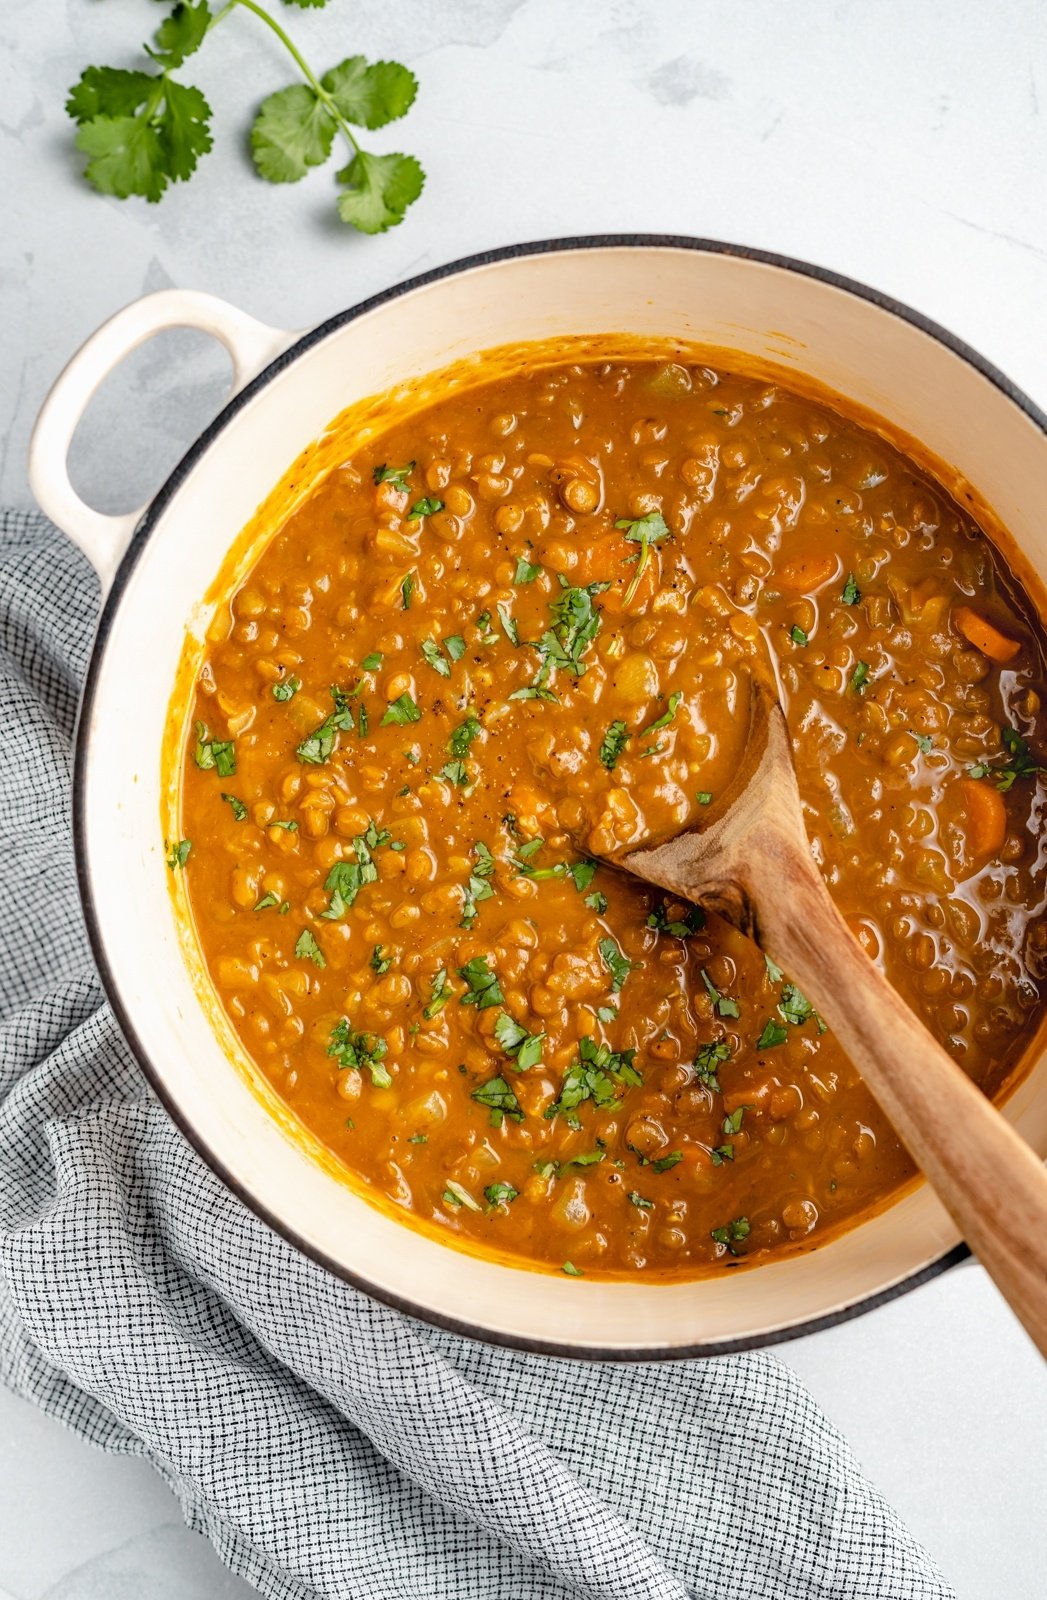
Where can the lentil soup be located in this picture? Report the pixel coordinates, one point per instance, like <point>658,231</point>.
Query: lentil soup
<point>514,631</point>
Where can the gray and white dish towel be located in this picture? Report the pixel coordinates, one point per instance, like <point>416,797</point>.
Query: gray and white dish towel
<point>326,1445</point>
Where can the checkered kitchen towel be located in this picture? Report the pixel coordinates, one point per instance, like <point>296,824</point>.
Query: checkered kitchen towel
<point>326,1445</point>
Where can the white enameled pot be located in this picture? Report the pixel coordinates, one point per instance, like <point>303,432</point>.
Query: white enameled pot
<point>157,565</point>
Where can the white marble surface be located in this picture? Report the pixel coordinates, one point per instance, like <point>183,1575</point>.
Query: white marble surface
<point>900,143</point>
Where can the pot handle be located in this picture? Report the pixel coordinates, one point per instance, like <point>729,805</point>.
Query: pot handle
<point>102,538</point>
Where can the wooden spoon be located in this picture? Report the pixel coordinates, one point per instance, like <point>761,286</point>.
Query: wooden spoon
<point>751,862</point>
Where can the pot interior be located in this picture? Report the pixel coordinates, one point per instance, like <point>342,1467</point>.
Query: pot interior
<point>878,361</point>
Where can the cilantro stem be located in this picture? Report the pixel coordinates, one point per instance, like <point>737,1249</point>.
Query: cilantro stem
<point>296,56</point>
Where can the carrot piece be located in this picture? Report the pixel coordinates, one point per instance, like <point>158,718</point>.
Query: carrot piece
<point>984,637</point>
<point>986,816</point>
<point>805,573</point>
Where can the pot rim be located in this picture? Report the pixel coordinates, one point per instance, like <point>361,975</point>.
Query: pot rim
<point>114,598</point>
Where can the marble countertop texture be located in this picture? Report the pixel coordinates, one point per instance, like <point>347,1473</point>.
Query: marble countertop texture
<point>902,144</point>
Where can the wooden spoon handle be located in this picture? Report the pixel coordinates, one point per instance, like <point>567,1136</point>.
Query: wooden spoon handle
<point>992,1184</point>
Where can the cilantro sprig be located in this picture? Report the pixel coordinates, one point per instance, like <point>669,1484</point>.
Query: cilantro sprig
<point>142,130</point>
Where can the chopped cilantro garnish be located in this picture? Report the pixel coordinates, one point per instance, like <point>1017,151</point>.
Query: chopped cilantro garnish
<point>239,810</point>
<point>925,742</point>
<point>723,1005</point>
<point>851,593</point>
<point>395,475</point>
<point>707,1063</point>
<point>589,1158</point>
<point>407,590</point>
<point>500,1194</point>
<point>508,621</point>
<point>178,853</point>
<point>639,1201</point>
<point>478,886</point>
<point>732,1234</point>
<point>666,1163</point>
<point>286,690</point>
<point>774,971</point>
<point>667,715</point>
<point>572,1271</point>
<point>617,964</point>
<point>704,797</point>
<point>427,506</point>
<point>731,1124</point>
<point>372,662</point>
<point>500,1101</point>
<point>346,878</point>
<point>1006,774</point>
<point>418,1138</point>
<point>439,994</point>
<point>860,677</point>
<point>359,1050</point>
<point>268,900</point>
<point>596,902</point>
<point>593,1077</point>
<point>317,747</point>
<point>401,711</point>
<point>454,644</point>
<point>525,1048</point>
<point>307,949</point>
<point>216,754</point>
<point>646,531</point>
<point>431,651</point>
<point>526,571</point>
<point>483,988</point>
<point>794,1006</point>
<point>607,1013</point>
<point>773,1035</point>
<point>613,743</point>
<point>681,927</point>
<point>380,962</point>
<point>797,635</point>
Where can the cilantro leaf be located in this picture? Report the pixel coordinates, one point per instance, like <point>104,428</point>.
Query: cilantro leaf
<point>397,476</point>
<point>524,1047</point>
<point>377,190</point>
<point>797,635</point>
<point>646,531</point>
<point>218,755</point>
<point>617,964</point>
<point>439,994</point>
<point>292,132</point>
<point>613,743</point>
<point>773,1035</point>
<point>426,507</point>
<point>667,715</point>
<point>400,711</point>
<point>851,593</point>
<point>723,1005</point>
<point>681,927</point>
<point>307,949</point>
<point>286,690</point>
<point>500,1101</point>
<point>181,33</point>
<point>593,1076</point>
<point>483,990</point>
<point>732,1234</point>
<point>707,1063</point>
<point>478,887</point>
<point>319,745</point>
<point>359,1050</point>
<point>860,677</point>
<point>370,94</point>
<point>500,1194</point>
<point>526,571</point>
<point>431,651</point>
<point>178,854</point>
